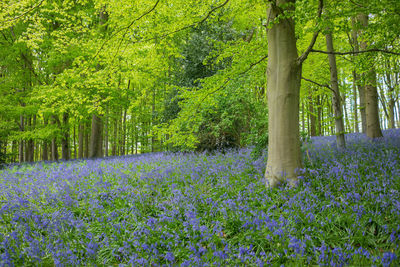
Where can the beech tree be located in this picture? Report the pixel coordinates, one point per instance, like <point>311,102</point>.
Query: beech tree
<point>283,87</point>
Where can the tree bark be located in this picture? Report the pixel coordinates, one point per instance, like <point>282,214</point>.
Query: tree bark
<point>313,118</point>
<point>283,76</point>
<point>65,137</point>
<point>115,141</point>
<point>337,105</point>
<point>123,141</point>
<point>45,151</point>
<point>96,137</point>
<point>361,89</point>
<point>86,151</point>
<point>54,147</point>
<point>21,142</point>
<point>29,149</point>
<point>106,134</point>
<point>371,94</point>
<point>80,140</point>
<point>355,110</point>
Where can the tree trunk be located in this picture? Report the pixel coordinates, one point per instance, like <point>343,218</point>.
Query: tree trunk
<point>283,76</point>
<point>337,105</point>
<point>86,151</point>
<point>74,143</point>
<point>106,134</point>
<point>21,142</point>
<point>54,147</point>
<point>355,110</point>
<point>115,138</point>
<point>391,101</point>
<point>96,137</point>
<point>313,118</point>
<point>45,151</point>
<point>371,94</point>
<point>29,146</point>
<point>80,140</point>
<point>361,90</point>
<point>65,137</point>
<point>123,141</point>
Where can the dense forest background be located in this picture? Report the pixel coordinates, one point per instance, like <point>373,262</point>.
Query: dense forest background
<point>97,78</point>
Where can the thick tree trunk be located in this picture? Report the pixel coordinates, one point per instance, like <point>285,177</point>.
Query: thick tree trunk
<point>81,135</point>
<point>283,76</point>
<point>96,138</point>
<point>65,137</point>
<point>337,105</point>
<point>371,94</point>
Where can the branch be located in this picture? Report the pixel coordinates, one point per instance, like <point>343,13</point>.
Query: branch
<point>320,85</point>
<point>304,56</point>
<point>253,64</point>
<point>126,29</point>
<point>357,52</point>
<point>184,27</point>
<point>23,14</point>
<point>229,79</point>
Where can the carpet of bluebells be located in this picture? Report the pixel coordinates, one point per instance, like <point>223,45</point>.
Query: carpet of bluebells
<point>206,209</point>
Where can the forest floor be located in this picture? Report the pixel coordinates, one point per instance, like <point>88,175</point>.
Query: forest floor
<point>206,209</point>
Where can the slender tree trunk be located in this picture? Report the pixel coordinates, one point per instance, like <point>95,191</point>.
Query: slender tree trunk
<point>54,145</point>
<point>29,149</point>
<point>320,102</point>
<point>391,101</point>
<point>283,76</point>
<point>371,93</point>
<point>45,151</point>
<point>303,127</point>
<point>123,149</point>
<point>81,135</point>
<point>74,143</point>
<point>361,89</point>
<point>313,118</point>
<point>115,141</point>
<point>21,142</point>
<point>65,137</point>
<point>153,112</point>
<point>106,134</point>
<point>398,113</point>
<point>86,151</point>
<point>355,110</point>
<point>337,105</point>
